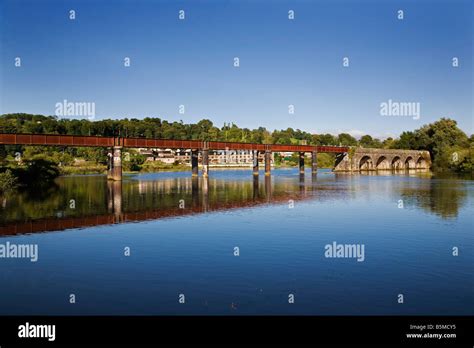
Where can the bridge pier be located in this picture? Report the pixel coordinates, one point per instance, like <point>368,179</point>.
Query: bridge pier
<point>205,194</point>
<point>314,162</point>
<point>195,191</point>
<point>301,162</point>
<point>302,184</point>
<point>114,196</point>
<point>205,163</point>
<point>194,162</point>
<point>255,162</point>
<point>268,162</point>
<point>268,188</point>
<point>255,187</point>
<point>114,170</point>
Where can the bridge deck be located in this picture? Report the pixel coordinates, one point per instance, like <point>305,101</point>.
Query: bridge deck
<point>95,141</point>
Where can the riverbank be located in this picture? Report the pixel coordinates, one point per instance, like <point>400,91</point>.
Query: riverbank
<point>102,169</point>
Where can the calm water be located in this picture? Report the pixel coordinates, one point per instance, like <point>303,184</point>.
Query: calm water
<point>182,234</point>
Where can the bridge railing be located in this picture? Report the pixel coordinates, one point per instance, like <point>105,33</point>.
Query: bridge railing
<point>84,140</point>
<point>55,139</point>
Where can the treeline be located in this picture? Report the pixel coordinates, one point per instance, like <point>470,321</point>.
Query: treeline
<point>162,129</point>
<point>450,148</point>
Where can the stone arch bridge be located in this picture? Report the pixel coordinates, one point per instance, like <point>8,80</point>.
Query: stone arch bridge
<point>361,159</point>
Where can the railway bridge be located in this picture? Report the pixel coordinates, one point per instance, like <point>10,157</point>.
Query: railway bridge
<point>347,159</point>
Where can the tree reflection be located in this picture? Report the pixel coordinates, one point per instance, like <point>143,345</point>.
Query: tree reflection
<point>441,197</point>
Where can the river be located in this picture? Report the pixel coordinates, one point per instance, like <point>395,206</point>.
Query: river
<point>163,243</point>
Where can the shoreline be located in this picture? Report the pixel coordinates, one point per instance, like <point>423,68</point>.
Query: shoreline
<point>177,169</point>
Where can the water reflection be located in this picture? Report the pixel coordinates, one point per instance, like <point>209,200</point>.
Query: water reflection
<point>441,197</point>
<point>92,200</point>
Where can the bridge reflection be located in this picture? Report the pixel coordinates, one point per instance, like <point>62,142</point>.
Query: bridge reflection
<point>134,201</point>
<point>86,201</point>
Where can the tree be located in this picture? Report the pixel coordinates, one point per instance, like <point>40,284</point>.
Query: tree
<point>388,143</point>
<point>346,139</point>
<point>440,135</point>
<point>8,181</point>
<point>325,139</point>
<point>366,141</point>
<point>443,139</point>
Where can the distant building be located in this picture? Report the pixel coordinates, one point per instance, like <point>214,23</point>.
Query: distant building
<point>216,158</point>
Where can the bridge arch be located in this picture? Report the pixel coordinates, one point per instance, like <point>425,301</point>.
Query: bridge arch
<point>421,163</point>
<point>397,163</point>
<point>382,163</point>
<point>410,163</point>
<point>366,163</point>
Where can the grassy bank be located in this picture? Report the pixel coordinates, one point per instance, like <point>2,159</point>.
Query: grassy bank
<point>89,168</point>
<point>325,160</point>
<point>158,166</point>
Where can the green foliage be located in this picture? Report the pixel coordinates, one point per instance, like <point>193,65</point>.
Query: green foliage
<point>156,166</point>
<point>292,160</point>
<point>345,139</point>
<point>8,181</point>
<point>368,142</point>
<point>83,168</point>
<point>388,143</point>
<point>326,160</point>
<point>291,136</point>
<point>324,139</point>
<point>56,155</point>
<point>465,164</point>
<point>37,173</point>
<point>3,154</point>
<point>351,152</point>
<point>95,154</point>
<point>455,158</point>
<point>133,162</point>
<point>278,159</point>
<point>449,146</point>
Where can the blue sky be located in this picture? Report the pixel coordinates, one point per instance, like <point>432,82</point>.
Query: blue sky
<point>282,62</point>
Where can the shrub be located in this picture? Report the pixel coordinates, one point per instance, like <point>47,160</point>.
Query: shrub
<point>8,181</point>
